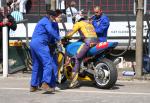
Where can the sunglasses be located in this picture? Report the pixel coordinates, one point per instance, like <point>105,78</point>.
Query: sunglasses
<point>96,12</point>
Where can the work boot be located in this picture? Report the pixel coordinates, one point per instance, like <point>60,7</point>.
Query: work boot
<point>74,83</point>
<point>33,88</point>
<point>47,88</point>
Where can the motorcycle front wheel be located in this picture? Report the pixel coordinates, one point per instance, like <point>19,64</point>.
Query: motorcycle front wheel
<point>105,74</point>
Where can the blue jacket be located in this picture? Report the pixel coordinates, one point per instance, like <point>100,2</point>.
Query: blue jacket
<point>56,27</point>
<point>46,30</point>
<point>101,26</point>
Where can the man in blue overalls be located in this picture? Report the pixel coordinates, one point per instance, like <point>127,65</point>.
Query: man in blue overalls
<point>43,69</point>
<point>101,24</point>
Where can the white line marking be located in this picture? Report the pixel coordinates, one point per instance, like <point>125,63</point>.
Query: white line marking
<point>107,92</point>
<point>85,91</point>
<point>14,88</point>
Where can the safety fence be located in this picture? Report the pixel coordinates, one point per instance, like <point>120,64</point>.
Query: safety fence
<point>108,6</point>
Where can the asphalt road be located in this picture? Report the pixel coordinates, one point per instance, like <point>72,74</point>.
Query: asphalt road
<point>16,90</point>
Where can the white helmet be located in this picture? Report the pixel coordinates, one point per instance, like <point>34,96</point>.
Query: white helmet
<point>79,16</point>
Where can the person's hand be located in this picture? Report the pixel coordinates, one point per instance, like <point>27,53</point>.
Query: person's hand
<point>59,43</point>
<point>64,40</point>
<point>90,21</point>
<point>12,5</point>
<point>5,21</point>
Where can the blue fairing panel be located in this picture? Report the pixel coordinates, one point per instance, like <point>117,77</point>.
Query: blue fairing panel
<point>100,47</point>
<point>72,48</point>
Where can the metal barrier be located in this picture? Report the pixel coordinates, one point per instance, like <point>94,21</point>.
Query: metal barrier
<point>5,47</point>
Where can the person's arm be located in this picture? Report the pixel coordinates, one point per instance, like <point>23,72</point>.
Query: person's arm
<point>13,4</point>
<point>104,24</point>
<point>17,2</point>
<point>5,22</point>
<point>55,25</point>
<point>1,24</point>
<point>49,27</point>
<point>12,23</point>
<point>76,27</point>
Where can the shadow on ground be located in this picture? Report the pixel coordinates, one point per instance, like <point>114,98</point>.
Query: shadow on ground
<point>87,84</point>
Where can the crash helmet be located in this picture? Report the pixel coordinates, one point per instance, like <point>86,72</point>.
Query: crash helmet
<point>79,16</point>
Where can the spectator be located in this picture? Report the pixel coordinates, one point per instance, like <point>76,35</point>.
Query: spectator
<point>21,4</point>
<point>5,20</point>
<point>71,11</point>
<point>17,15</point>
<point>101,24</point>
<point>43,72</point>
<point>15,12</point>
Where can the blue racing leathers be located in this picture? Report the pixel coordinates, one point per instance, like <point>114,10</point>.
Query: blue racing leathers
<point>101,26</point>
<point>43,67</point>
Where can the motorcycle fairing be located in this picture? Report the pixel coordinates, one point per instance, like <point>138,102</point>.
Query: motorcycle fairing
<point>100,47</point>
<point>72,48</point>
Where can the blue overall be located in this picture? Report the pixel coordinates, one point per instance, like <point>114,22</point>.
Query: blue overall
<point>101,26</point>
<point>44,67</point>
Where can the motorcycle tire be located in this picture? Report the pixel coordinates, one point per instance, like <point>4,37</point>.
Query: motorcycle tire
<point>105,74</point>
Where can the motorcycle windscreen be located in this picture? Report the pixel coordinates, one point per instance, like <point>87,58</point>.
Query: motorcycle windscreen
<point>72,48</point>
<point>100,47</point>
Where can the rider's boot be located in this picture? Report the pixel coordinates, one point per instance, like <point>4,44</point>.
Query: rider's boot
<point>33,88</point>
<point>47,88</point>
<point>74,83</point>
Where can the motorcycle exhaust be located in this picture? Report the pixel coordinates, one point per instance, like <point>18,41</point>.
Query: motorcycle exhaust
<point>117,61</point>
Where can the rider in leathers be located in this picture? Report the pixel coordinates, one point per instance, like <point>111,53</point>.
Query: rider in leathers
<point>89,37</point>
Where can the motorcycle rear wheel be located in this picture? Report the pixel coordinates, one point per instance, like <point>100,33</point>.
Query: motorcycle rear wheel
<point>105,74</point>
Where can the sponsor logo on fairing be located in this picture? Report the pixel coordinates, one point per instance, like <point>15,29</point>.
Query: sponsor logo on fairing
<point>102,45</point>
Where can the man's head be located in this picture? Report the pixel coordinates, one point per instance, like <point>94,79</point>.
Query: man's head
<point>73,4</point>
<point>97,11</point>
<point>58,15</point>
<point>4,11</point>
<point>80,16</point>
<point>51,14</point>
<point>55,15</point>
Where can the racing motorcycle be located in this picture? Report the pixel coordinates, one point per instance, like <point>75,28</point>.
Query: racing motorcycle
<point>95,66</point>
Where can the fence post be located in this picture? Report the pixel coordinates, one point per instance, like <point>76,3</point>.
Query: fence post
<point>139,38</point>
<point>5,51</point>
